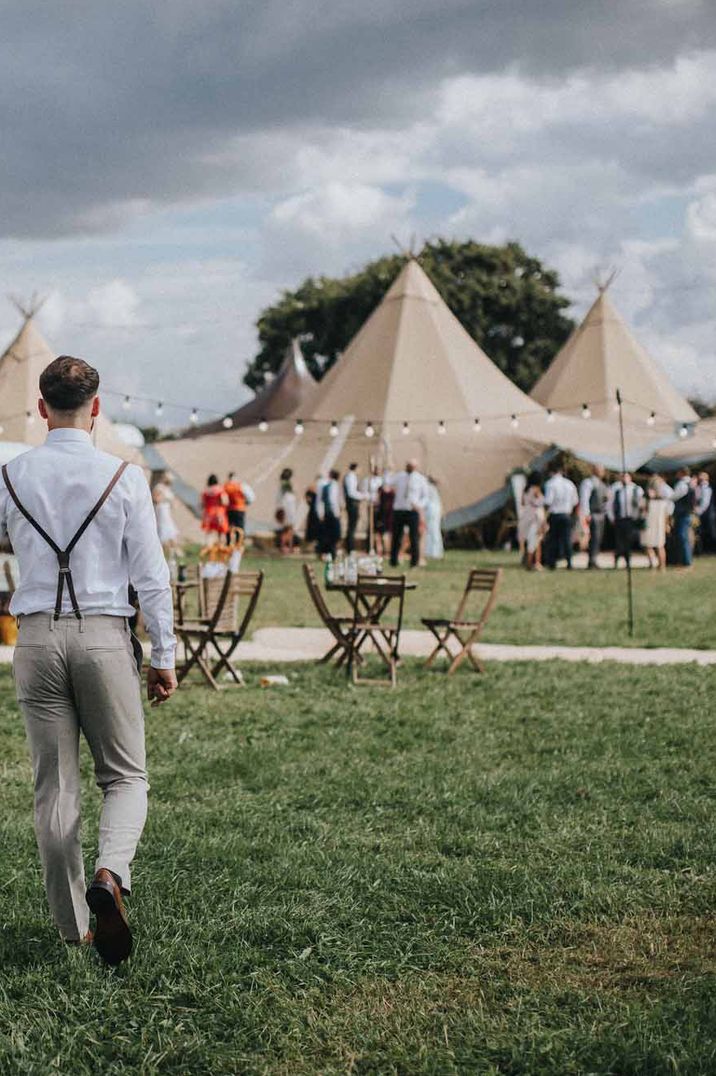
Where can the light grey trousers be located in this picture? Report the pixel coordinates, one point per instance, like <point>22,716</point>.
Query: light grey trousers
<point>73,675</point>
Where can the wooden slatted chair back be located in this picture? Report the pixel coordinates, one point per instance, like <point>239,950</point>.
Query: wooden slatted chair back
<point>316,594</point>
<point>222,595</point>
<point>485,580</point>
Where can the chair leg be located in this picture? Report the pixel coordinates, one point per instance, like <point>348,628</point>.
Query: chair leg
<point>466,652</point>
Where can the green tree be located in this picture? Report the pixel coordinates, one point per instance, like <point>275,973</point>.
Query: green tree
<point>507,300</point>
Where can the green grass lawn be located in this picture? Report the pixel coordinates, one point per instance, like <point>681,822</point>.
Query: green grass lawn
<point>570,608</point>
<point>506,874</point>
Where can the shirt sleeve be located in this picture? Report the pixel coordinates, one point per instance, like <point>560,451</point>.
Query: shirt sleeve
<point>149,571</point>
<point>4,498</point>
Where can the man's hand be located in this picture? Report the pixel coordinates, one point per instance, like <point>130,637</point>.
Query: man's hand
<point>161,685</point>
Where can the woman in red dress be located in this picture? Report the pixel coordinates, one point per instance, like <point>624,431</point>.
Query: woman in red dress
<point>214,501</point>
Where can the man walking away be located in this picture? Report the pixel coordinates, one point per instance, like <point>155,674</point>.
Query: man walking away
<point>411,494</point>
<point>352,496</point>
<point>328,506</point>
<point>593,498</point>
<point>82,526</point>
<point>240,496</point>
<point>684,498</point>
<point>561,499</point>
<point>625,508</point>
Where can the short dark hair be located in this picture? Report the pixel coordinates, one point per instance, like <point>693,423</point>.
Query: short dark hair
<point>353,467</point>
<point>68,383</point>
<point>212,480</point>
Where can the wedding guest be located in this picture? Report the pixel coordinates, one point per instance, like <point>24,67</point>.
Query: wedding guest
<point>329,514</point>
<point>313,523</point>
<point>561,499</point>
<point>653,536</point>
<point>434,548</point>
<point>411,491</point>
<point>684,498</point>
<point>163,496</point>
<point>215,503</point>
<point>352,496</point>
<point>593,498</point>
<point>384,517</point>
<point>286,511</point>
<point>532,522</point>
<point>240,496</point>
<point>624,509</point>
<point>704,508</point>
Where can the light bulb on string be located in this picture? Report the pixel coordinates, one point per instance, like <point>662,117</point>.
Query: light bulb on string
<point>550,414</point>
<point>2,429</point>
<point>514,422</point>
<point>298,428</point>
<point>334,429</point>
<point>263,425</point>
<point>127,403</point>
<point>684,431</point>
<point>616,408</point>
<point>651,419</point>
<point>586,411</point>
<point>30,418</point>
<point>159,409</point>
<point>194,417</point>
<point>477,427</point>
<point>442,428</point>
<point>406,429</point>
<point>369,429</point>
<point>227,422</point>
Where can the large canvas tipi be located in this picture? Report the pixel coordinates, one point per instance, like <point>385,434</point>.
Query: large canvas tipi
<point>411,384</point>
<point>602,356</point>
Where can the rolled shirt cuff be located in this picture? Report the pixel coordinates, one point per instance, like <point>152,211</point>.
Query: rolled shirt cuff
<point>162,659</point>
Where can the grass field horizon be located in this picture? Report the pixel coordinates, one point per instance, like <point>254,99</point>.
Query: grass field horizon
<point>577,608</point>
<point>503,874</point>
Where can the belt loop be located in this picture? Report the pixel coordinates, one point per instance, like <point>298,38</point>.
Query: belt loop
<point>52,622</point>
<point>82,624</point>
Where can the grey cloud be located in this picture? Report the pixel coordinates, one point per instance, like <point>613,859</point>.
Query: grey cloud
<point>105,105</point>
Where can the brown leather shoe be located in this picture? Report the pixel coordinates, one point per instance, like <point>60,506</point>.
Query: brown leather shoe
<point>112,936</point>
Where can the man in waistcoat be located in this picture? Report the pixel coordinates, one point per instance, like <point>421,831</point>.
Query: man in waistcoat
<point>82,526</point>
<point>593,498</point>
<point>625,506</point>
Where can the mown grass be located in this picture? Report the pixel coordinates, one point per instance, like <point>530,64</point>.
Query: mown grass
<point>563,608</point>
<point>506,874</point>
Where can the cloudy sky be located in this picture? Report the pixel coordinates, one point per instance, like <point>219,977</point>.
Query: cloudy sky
<point>168,168</point>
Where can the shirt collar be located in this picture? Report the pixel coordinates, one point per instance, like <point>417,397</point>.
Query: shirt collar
<point>68,434</point>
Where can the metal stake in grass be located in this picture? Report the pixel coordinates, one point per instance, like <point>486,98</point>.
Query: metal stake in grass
<point>630,592</point>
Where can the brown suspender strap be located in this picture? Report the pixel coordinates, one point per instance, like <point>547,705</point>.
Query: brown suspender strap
<point>63,555</point>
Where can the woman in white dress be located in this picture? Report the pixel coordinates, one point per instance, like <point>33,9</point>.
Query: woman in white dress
<point>532,523</point>
<point>434,548</point>
<point>168,532</point>
<point>286,512</point>
<point>659,509</point>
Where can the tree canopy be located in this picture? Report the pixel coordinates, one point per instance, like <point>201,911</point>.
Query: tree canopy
<point>507,300</point>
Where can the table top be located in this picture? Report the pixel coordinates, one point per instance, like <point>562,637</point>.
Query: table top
<point>341,584</point>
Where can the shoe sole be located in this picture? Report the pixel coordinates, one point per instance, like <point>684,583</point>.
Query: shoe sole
<point>112,936</point>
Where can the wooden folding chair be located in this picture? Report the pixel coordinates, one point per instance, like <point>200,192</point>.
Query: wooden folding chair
<point>339,626</point>
<point>372,599</point>
<point>211,639</point>
<point>460,630</point>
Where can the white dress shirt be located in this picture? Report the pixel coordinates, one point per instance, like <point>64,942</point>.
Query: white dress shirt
<point>704,495</point>
<point>629,500</point>
<point>560,495</point>
<point>411,491</point>
<point>333,496</point>
<point>58,483</point>
<point>350,487</point>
